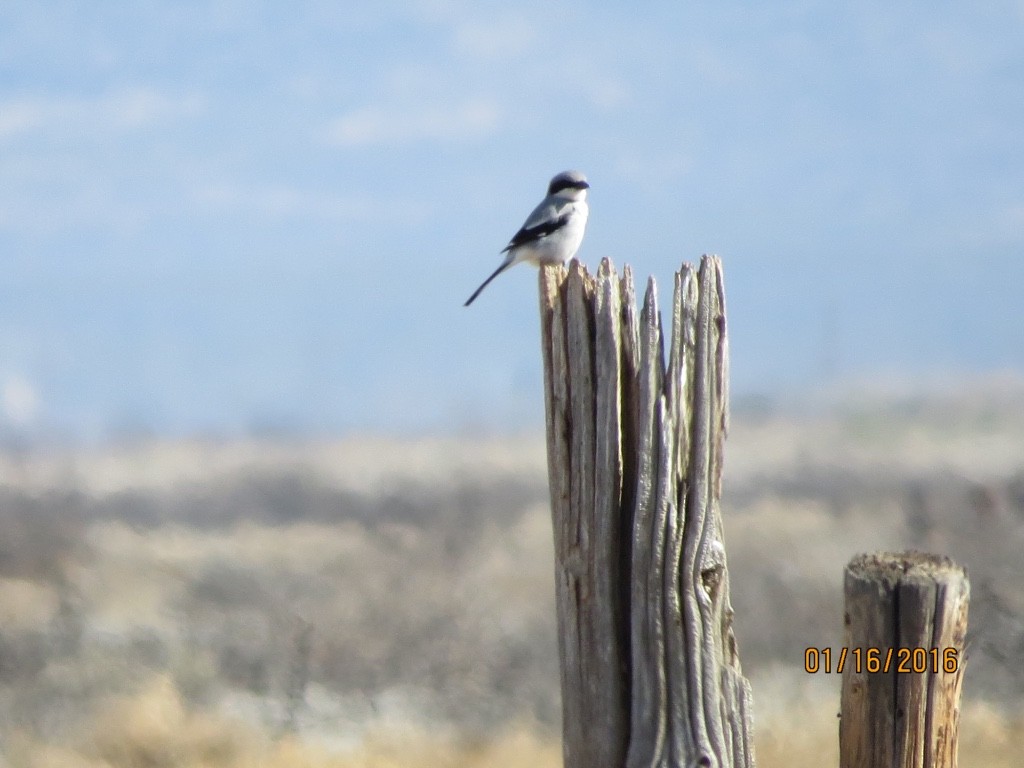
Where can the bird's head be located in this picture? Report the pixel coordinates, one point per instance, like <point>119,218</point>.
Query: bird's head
<point>569,184</point>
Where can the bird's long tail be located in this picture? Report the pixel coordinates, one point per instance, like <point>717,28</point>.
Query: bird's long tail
<point>504,265</point>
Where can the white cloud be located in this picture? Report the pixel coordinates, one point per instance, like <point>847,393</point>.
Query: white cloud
<point>267,199</point>
<point>137,107</point>
<point>376,125</point>
<point>19,400</point>
<point>124,109</point>
<point>494,38</point>
<point>607,94</point>
<point>279,201</point>
<point>653,165</point>
<point>18,117</point>
<point>1008,225</point>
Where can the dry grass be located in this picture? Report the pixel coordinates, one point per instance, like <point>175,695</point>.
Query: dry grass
<point>384,602</point>
<point>154,729</point>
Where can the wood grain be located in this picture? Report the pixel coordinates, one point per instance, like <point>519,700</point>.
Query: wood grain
<point>650,669</point>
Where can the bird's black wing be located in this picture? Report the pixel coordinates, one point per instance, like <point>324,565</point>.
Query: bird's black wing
<point>531,234</point>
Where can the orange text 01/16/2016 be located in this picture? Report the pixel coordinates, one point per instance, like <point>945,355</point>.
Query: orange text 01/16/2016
<point>881,660</point>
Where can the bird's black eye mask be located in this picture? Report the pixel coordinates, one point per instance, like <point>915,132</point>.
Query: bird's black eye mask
<point>566,183</point>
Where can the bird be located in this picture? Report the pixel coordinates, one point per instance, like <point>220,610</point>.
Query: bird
<point>553,232</point>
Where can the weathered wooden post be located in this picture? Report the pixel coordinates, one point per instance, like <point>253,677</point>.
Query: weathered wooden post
<point>906,621</point>
<point>649,667</point>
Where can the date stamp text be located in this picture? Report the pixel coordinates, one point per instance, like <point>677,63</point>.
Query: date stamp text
<point>881,660</point>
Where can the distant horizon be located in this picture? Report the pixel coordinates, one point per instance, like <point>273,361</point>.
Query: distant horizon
<point>977,397</point>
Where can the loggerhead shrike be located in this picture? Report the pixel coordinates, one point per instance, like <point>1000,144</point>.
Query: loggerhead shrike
<point>553,232</point>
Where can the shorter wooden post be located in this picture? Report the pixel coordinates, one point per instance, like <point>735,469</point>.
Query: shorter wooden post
<point>903,660</point>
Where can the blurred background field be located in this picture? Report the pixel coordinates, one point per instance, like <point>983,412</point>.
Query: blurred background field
<point>379,602</point>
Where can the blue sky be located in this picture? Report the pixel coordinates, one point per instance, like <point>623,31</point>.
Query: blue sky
<point>218,217</point>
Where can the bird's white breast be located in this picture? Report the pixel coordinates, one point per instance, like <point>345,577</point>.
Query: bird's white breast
<point>559,246</point>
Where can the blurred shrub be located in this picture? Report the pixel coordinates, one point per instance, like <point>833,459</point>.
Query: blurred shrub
<point>40,537</point>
